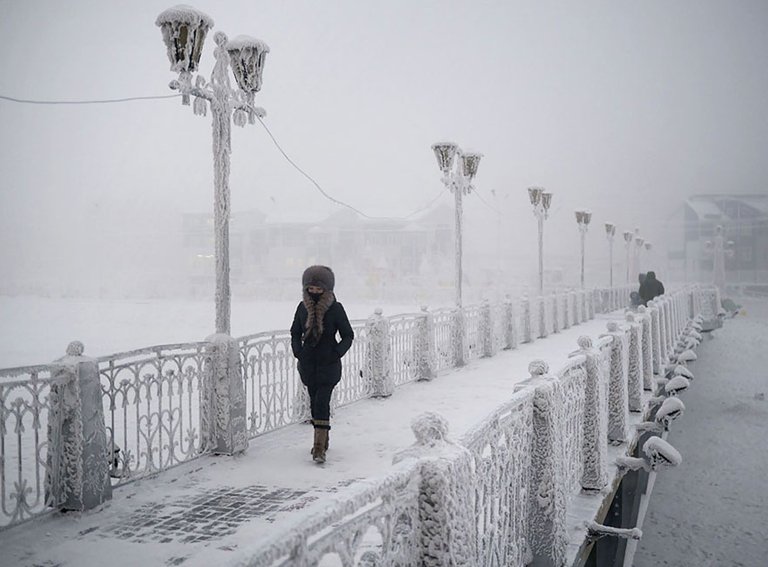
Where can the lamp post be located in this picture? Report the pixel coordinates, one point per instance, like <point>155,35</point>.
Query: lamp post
<point>648,245</point>
<point>610,233</point>
<point>720,249</point>
<point>457,177</point>
<point>184,30</point>
<point>639,241</point>
<point>628,237</point>
<point>583,218</point>
<point>541,201</point>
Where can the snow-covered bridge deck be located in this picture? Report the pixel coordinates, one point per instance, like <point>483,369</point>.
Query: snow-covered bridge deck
<point>512,487</point>
<point>216,509</point>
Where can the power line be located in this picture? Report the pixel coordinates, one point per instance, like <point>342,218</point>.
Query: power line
<point>102,101</point>
<point>486,203</point>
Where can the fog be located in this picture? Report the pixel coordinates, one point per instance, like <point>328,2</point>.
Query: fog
<point>622,108</point>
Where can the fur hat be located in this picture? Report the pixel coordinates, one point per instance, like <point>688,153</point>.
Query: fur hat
<point>320,276</point>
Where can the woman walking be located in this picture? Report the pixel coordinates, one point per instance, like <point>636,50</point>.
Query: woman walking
<point>319,317</point>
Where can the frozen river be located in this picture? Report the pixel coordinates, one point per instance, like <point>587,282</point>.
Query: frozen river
<point>712,510</point>
<point>36,330</point>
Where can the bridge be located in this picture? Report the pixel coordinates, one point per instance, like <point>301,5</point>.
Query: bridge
<point>496,434</point>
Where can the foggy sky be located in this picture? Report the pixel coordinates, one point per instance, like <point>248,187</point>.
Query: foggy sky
<point>624,108</point>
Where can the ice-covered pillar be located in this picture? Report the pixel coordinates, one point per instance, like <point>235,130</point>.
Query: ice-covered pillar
<point>566,311</point>
<point>594,451</point>
<point>527,335</point>
<point>458,337</point>
<point>635,367</point>
<point>618,405</point>
<point>574,307</point>
<point>555,314</point>
<point>590,299</point>
<point>425,351</point>
<point>486,329</point>
<point>77,470</point>
<point>224,428</point>
<point>378,355</point>
<point>547,500</point>
<point>446,517</point>
<point>646,346</point>
<point>655,337</point>
<point>542,316</point>
<point>510,325</point>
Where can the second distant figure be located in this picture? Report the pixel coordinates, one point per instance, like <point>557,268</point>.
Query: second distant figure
<point>650,288</point>
<point>318,319</point>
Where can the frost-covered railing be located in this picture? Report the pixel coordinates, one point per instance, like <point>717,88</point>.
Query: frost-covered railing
<point>24,407</point>
<point>372,523</point>
<point>501,495</point>
<point>152,402</point>
<point>161,404</point>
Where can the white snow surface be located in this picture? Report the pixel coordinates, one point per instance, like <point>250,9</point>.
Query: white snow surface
<point>365,437</point>
<point>183,13</point>
<point>246,41</point>
<point>711,510</point>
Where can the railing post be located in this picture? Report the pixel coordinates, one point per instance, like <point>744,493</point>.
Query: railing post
<point>574,307</point>
<point>510,324</point>
<point>223,423</point>
<point>378,356</point>
<point>647,347</point>
<point>547,500</point>
<point>555,314</point>
<point>445,494</point>
<point>618,409</point>
<point>542,317</point>
<point>486,329</point>
<point>635,368</point>
<point>459,337</point>
<point>655,337</point>
<point>527,335</point>
<point>426,350</point>
<point>566,311</point>
<point>77,475</point>
<point>594,451</point>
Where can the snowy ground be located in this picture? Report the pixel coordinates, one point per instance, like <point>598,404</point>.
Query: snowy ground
<point>713,509</point>
<point>35,330</point>
<point>174,519</point>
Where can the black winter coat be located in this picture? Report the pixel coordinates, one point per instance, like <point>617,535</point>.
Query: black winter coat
<point>322,362</point>
<point>650,288</point>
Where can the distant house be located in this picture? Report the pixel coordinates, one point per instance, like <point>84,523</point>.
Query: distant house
<point>745,222</point>
<point>271,250</point>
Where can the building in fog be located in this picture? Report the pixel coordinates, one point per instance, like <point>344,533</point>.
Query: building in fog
<point>268,252</point>
<point>744,219</point>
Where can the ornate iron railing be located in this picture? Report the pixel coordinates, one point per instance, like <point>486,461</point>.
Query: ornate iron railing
<point>403,343</point>
<point>24,405</point>
<point>152,401</point>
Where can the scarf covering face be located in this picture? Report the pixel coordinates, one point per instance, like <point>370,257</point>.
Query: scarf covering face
<point>315,313</point>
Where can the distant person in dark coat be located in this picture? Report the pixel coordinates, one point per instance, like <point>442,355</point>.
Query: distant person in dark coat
<point>319,317</point>
<point>650,288</point>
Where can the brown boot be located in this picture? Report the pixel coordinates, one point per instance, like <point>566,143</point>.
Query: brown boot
<point>318,451</point>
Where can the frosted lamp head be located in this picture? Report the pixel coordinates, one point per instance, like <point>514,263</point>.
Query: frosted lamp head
<point>587,217</point>
<point>445,152</point>
<point>184,29</point>
<point>534,194</point>
<point>610,229</point>
<point>648,245</point>
<point>246,57</point>
<point>639,241</point>
<point>469,164</point>
<point>580,217</point>
<point>708,245</point>
<point>628,236</point>
<point>546,200</point>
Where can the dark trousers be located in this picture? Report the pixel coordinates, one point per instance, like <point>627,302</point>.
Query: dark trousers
<point>320,400</point>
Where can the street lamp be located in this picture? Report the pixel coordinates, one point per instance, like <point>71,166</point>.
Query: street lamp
<point>628,237</point>
<point>583,218</point>
<point>184,30</point>
<point>541,201</point>
<point>720,250</point>
<point>639,241</point>
<point>647,247</point>
<point>610,233</point>
<point>458,180</point>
